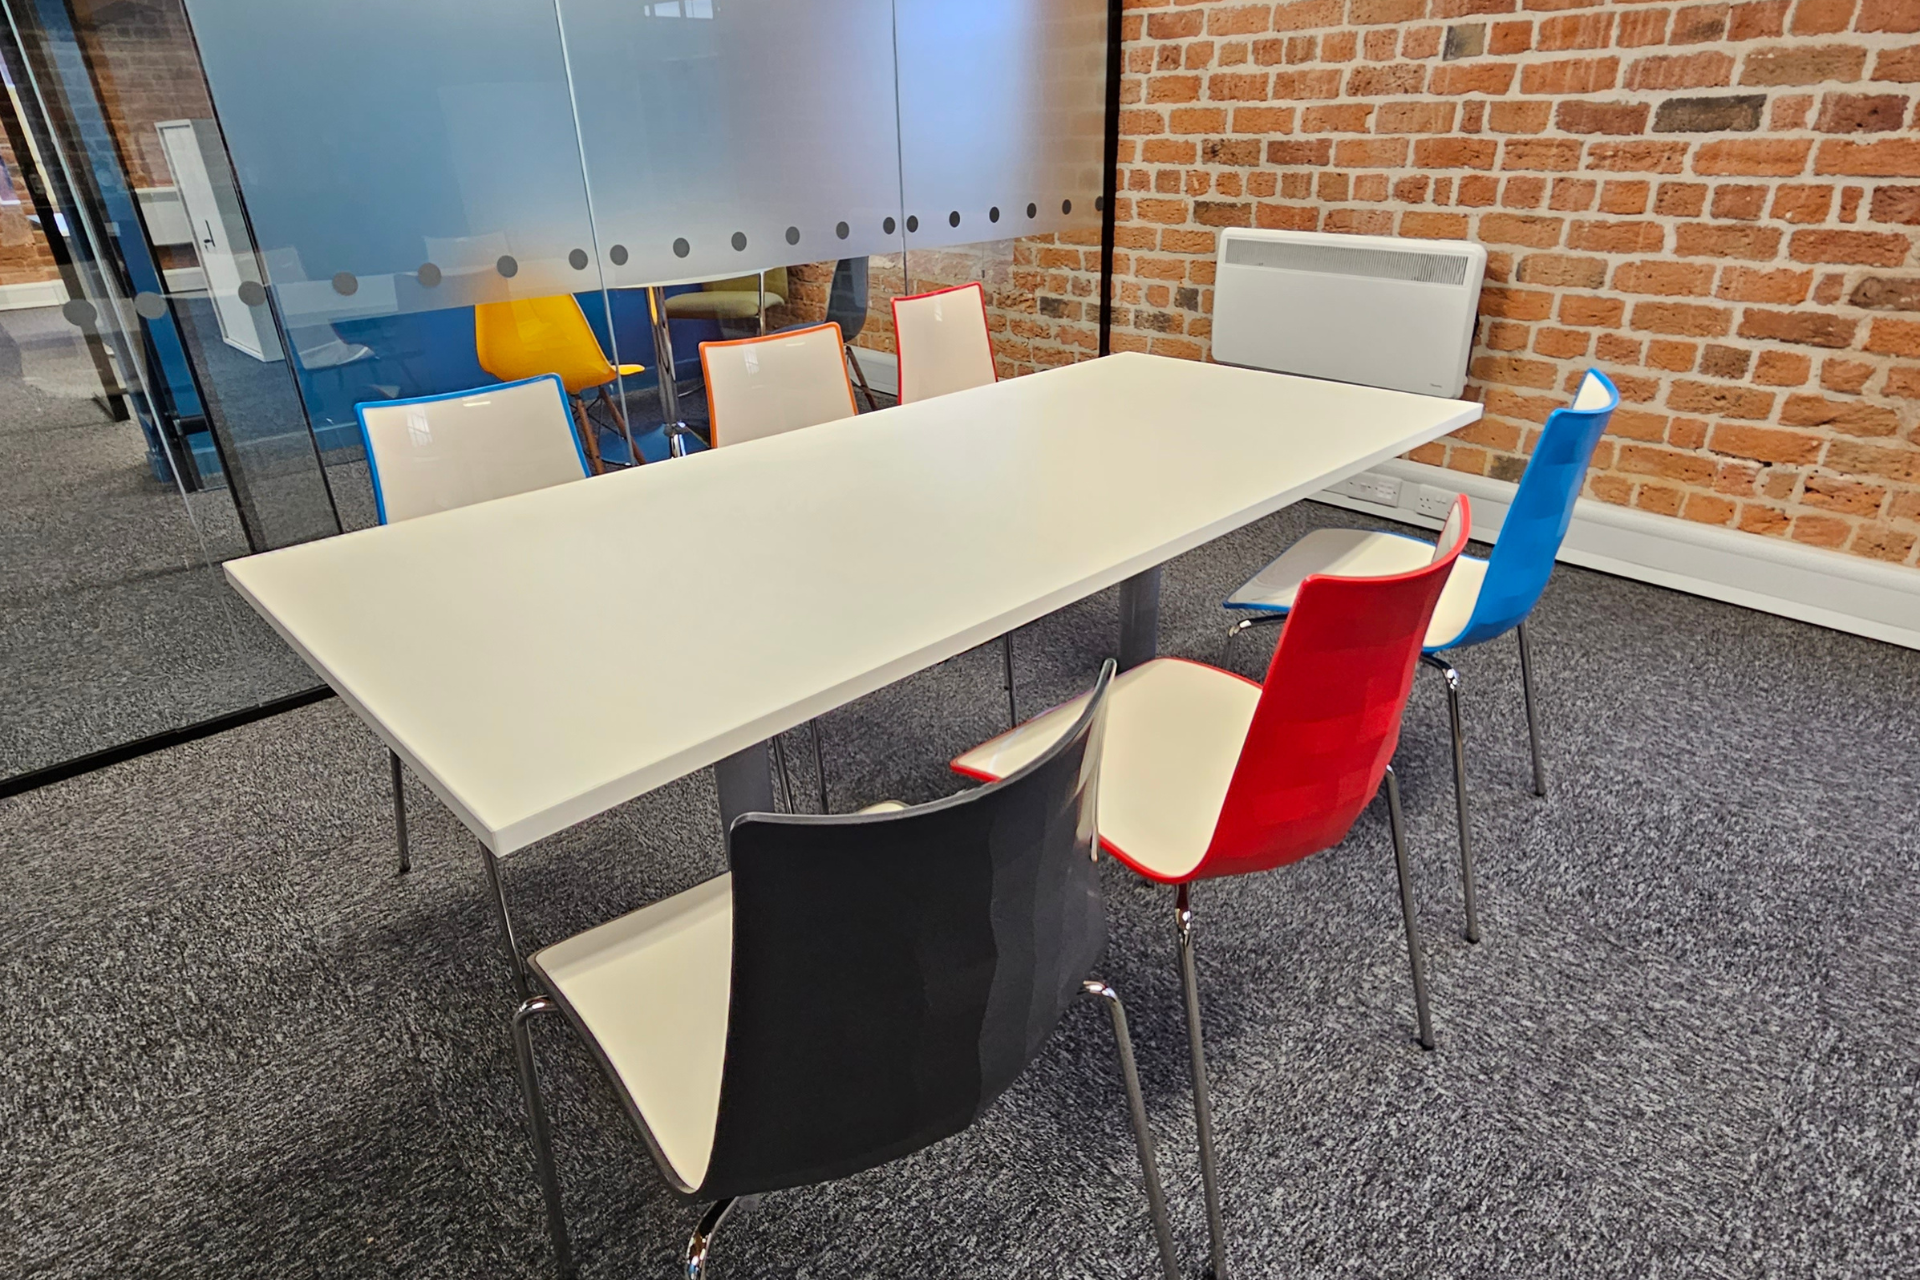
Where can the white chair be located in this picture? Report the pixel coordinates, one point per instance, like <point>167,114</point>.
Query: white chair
<point>767,386</point>
<point>436,453</point>
<point>942,341</point>
<point>943,345</point>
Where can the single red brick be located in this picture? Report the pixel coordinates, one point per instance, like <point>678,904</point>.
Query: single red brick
<point>1762,444</point>
<point>1515,304</point>
<point>1561,154</point>
<point>1845,375</point>
<point>1685,318</point>
<point>1861,112</point>
<point>1576,116</point>
<point>1491,78</point>
<point>1246,19</point>
<point>1706,240</point>
<point>1570,75</point>
<point>1898,66</point>
<point>1263,119</point>
<point>1642,27</point>
<point>1379,81</point>
<point>1574,194</point>
<point>1802,204</point>
<point>1806,328</point>
<point>1782,369</point>
<point>1754,157</point>
<point>1820,531</point>
<point>1528,115</point>
<point>1317,151</point>
<point>1748,284</point>
<point>1897,204</point>
<point>1681,71</point>
<point>1624,196</point>
<point>1477,190</point>
<point>1576,31</point>
<point>1416,117</point>
<point>1176,25</point>
<point>1868,248</point>
<point>1892,157</point>
<point>1197,120</point>
<point>1617,237</point>
<point>1297,15</point>
<point>1822,17</point>
<point>1854,417</point>
<point>1523,192</point>
<point>1434,226</point>
<point>1522,229</point>
<point>1895,337</point>
<point>1757,21</point>
<point>1888,15</point>
<point>1903,380</point>
<point>1510,37</point>
<point>1803,64</point>
<point>1739,202</point>
<point>1562,271</point>
<point>1637,157</point>
<point>1602,313</point>
<point>1664,278</point>
<point>1674,357</point>
<point>1455,153</point>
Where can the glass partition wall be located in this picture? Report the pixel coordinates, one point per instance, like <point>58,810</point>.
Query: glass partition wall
<point>341,201</point>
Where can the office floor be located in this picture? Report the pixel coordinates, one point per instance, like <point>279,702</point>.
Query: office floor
<point>114,625</point>
<point>235,1043</point>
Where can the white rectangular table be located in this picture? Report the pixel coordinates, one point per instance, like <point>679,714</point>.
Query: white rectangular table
<point>734,594</point>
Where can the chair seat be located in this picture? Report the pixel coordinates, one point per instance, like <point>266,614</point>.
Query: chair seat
<point>1173,735</point>
<point>651,990</point>
<point>718,304</point>
<point>1360,553</point>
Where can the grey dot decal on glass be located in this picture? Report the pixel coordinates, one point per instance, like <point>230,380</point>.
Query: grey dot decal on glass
<point>346,284</point>
<point>428,275</point>
<point>252,294</point>
<point>578,259</point>
<point>793,235</point>
<point>150,305</point>
<point>508,267</point>
<point>842,230</point>
<point>619,255</point>
<point>1066,206</point>
<point>888,226</point>
<point>680,248</point>
<point>953,219</point>
<point>739,242</point>
<point>78,311</point>
<point>1033,210</point>
<point>993,214</point>
<point>913,222</point>
<point>1099,204</point>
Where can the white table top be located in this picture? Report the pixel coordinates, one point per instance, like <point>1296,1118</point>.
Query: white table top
<point>542,658</point>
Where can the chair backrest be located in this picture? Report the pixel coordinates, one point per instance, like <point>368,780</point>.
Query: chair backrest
<point>848,298</point>
<point>942,341</point>
<point>781,382</point>
<point>1536,523</point>
<point>773,283</point>
<point>893,973</point>
<point>1328,718</point>
<point>441,452</point>
<point>526,337</point>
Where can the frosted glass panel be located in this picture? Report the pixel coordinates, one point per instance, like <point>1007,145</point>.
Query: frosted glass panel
<point>371,138</point>
<point>1002,117</point>
<point>736,135</point>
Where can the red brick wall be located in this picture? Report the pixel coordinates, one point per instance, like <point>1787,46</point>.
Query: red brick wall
<point>1716,203</point>
<point>24,256</point>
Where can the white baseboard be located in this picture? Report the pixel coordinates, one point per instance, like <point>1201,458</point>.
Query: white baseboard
<point>1827,588</point>
<point>35,293</point>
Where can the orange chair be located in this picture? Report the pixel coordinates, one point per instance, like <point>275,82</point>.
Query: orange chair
<point>525,338</point>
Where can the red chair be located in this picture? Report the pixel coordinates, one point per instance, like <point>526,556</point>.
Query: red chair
<point>1205,773</point>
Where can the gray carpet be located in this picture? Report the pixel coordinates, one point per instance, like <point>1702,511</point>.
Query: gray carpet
<point>237,1045</point>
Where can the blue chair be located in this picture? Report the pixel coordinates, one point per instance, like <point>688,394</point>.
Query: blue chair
<point>1484,599</point>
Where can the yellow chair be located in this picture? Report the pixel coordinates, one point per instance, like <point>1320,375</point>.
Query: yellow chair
<point>737,299</point>
<point>525,338</point>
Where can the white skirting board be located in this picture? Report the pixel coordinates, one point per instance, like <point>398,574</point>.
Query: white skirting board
<point>37,293</point>
<point>1827,588</point>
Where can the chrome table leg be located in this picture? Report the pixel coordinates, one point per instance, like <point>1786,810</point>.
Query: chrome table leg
<point>400,815</point>
<point>505,922</point>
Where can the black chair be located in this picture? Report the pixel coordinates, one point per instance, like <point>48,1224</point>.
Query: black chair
<point>858,987</point>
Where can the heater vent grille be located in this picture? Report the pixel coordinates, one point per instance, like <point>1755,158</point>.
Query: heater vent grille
<point>1343,260</point>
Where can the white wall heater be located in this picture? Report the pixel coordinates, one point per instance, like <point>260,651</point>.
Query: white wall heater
<point>1374,310</point>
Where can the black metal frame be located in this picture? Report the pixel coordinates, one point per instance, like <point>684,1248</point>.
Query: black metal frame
<point>1115,68</point>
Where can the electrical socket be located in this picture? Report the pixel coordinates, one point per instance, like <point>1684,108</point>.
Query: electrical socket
<point>1371,487</point>
<point>1433,502</point>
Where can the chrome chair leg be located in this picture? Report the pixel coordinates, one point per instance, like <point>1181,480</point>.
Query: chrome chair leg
<point>1533,716</point>
<point>1142,1131</point>
<point>1202,1104</point>
<point>540,1133</point>
<point>505,922</point>
<point>861,375</point>
<point>1467,886</point>
<point>1006,653</point>
<point>819,762</point>
<point>703,1234</point>
<point>400,815</point>
<point>1415,955</point>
